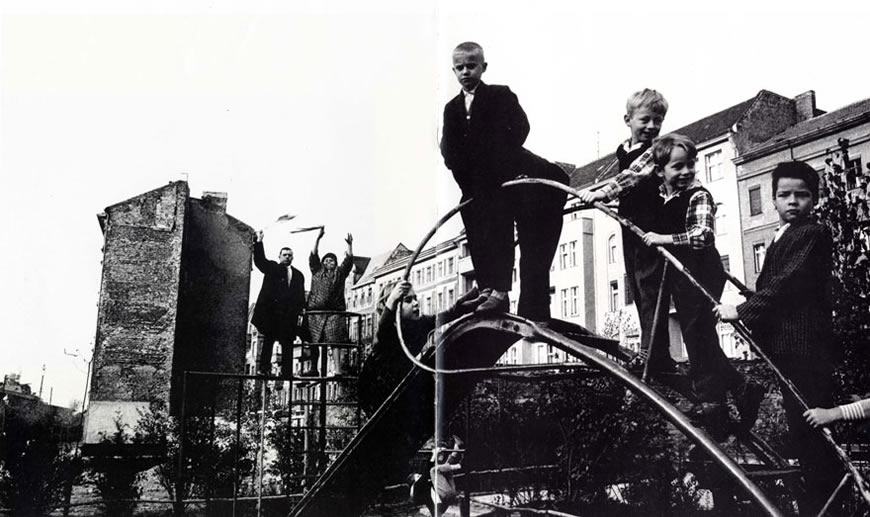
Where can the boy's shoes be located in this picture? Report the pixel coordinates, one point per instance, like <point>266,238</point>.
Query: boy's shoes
<point>748,404</point>
<point>497,301</point>
<point>712,417</point>
<point>472,299</point>
<point>660,367</point>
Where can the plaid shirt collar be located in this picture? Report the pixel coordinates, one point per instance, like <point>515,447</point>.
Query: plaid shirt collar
<point>627,147</point>
<point>663,191</point>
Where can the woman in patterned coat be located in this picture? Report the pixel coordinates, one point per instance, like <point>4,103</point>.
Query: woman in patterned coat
<point>327,294</point>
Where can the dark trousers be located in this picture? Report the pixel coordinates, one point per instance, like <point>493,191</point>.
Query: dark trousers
<point>285,333</point>
<point>821,469</point>
<point>265,362</point>
<point>643,271</point>
<point>489,226</point>
<point>538,214</point>
<point>709,369</point>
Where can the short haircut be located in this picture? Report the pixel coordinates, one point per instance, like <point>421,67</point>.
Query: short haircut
<point>285,248</point>
<point>796,170</point>
<point>649,99</point>
<point>470,47</point>
<point>664,145</point>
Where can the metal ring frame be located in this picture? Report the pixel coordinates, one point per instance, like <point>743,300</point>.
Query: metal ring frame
<point>537,332</point>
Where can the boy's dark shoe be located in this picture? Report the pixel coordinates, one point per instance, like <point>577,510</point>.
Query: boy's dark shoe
<point>711,417</point>
<point>748,404</point>
<point>472,299</point>
<point>497,301</point>
<point>660,366</point>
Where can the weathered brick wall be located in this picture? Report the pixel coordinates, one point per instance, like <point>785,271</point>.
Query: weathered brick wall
<point>769,115</point>
<point>174,297</point>
<point>213,299</point>
<point>138,296</point>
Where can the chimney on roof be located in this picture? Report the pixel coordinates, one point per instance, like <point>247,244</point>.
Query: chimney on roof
<point>805,105</point>
<point>215,201</point>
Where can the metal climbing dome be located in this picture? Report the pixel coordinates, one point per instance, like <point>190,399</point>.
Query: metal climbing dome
<point>467,350</point>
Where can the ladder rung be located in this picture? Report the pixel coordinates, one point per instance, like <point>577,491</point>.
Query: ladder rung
<point>328,428</point>
<point>317,403</point>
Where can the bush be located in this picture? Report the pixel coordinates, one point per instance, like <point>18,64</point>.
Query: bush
<point>116,478</point>
<point>37,464</point>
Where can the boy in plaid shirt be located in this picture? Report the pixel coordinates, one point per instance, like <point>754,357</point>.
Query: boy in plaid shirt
<point>684,222</point>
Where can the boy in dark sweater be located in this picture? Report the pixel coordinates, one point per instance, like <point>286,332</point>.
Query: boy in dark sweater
<point>636,187</point>
<point>684,222</point>
<point>790,316</point>
<point>482,144</point>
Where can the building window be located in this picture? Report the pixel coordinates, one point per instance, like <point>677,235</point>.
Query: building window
<point>758,252</point>
<point>720,219</point>
<point>572,248</point>
<point>726,263</point>
<point>440,304</point>
<point>440,270</point>
<point>450,266</point>
<point>563,256</point>
<point>575,301</point>
<point>369,295</point>
<point>713,166</point>
<point>514,275</point>
<point>614,296</point>
<point>450,297</point>
<point>576,213</point>
<point>512,357</point>
<point>428,274</point>
<point>541,353</point>
<point>853,172</point>
<point>463,251</point>
<point>611,249</point>
<point>419,276</point>
<point>754,200</point>
<point>629,295</point>
<point>428,305</point>
<point>564,302</point>
<point>513,304</point>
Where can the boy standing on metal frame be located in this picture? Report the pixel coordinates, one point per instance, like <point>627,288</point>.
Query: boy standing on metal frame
<point>636,187</point>
<point>684,223</point>
<point>790,316</point>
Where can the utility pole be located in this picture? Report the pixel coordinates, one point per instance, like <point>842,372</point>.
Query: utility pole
<point>41,380</point>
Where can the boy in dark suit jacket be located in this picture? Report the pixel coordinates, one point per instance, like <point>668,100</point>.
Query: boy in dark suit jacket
<point>790,316</point>
<point>482,144</point>
<point>279,304</point>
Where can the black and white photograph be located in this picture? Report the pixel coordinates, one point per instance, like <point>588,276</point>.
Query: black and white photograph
<point>441,258</point>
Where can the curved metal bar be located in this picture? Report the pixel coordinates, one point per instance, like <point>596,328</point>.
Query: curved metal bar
<point>740,328</point>
<point>592,357</point>
<point>744,332</point>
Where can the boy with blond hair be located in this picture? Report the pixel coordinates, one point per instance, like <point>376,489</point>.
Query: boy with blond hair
<point>636,187</point>
<point>482,144</point>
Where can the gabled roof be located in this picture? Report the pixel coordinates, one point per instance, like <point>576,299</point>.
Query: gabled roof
<point>361,263</point>
<point>702,130</point>
<point>851,113</point>
<point>378,261</point>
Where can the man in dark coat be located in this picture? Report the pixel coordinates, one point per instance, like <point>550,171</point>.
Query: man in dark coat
<point>281,301</point>
<point>482,144</point>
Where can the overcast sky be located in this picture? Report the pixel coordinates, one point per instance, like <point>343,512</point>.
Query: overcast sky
<point>332,113</point>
